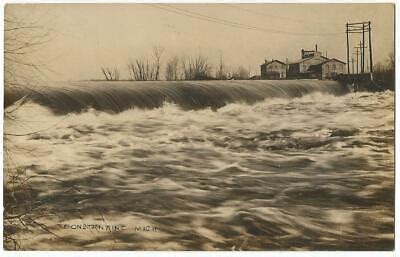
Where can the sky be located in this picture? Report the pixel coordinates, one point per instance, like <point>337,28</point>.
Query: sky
<point>86,37</point>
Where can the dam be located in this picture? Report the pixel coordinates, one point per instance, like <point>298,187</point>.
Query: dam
<point>117,96</point>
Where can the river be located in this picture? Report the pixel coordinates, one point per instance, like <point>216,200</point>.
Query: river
<point>280,166</point>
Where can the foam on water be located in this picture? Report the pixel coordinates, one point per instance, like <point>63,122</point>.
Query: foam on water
<point>314,172</point>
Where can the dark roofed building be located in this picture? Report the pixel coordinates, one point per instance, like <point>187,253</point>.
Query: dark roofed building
<point>274,69</point>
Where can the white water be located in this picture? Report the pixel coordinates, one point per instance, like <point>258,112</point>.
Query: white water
<point>315,172</point>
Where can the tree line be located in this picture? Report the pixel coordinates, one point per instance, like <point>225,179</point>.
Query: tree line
<point>197,67</point>
<point>385,73</point>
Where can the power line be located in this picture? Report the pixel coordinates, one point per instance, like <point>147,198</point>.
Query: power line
<point>196,17</point>
<point>203,17</point>
<point>278,17</point>
<point>221,21</point>
<point>360,28</point>
<point>246,26</point>
<point>262,13</point>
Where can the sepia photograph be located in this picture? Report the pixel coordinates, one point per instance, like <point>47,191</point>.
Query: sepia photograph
<point>199,127</point>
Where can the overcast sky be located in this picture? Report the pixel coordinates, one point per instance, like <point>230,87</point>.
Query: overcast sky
<point>86,37</point>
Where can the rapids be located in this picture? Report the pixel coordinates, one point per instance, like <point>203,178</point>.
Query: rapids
<point>238,165</point>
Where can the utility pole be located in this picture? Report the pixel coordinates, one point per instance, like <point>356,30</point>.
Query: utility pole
<point>360,28</point>
<point>359,49</point>
<point>356,53</point>
<point>287,66</point>
<point>347,37</point>
<point>363,45</point>
<point>370,49</point>
<point>362,55</point>
<point>357,61</point>
<point>352,64</point>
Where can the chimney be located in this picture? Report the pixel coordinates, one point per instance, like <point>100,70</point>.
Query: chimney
<point>287,64</point>
<point>316,48</point>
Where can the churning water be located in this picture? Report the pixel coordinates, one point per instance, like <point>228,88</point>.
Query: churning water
<point>240,165</point>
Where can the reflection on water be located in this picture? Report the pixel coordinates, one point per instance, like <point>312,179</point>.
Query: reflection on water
<point>307,173</point>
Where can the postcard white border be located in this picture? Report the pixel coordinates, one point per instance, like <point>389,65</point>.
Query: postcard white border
<point>209,253</point>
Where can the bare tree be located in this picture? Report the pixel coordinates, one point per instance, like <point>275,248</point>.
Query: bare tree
<point>157,52</point>
<point>142,69</point>
<point>391,61</point>
<point>146,69</point>
<point>384,73</point>
<point>196,68</point>
<point>22,40</point>
<point>171,70</point>
<point>221,73</point>
<point>110,74</point>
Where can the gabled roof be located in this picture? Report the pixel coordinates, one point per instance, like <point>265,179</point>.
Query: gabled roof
<point>268,63</point>
<point>306,59</point>
<point>301,60</point>
<point>333,59</point>
<point>317,67</point>
<point>329,60</point>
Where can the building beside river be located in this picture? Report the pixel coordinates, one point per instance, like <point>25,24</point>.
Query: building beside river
<point>312,65</point>
<point>273,69</point>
